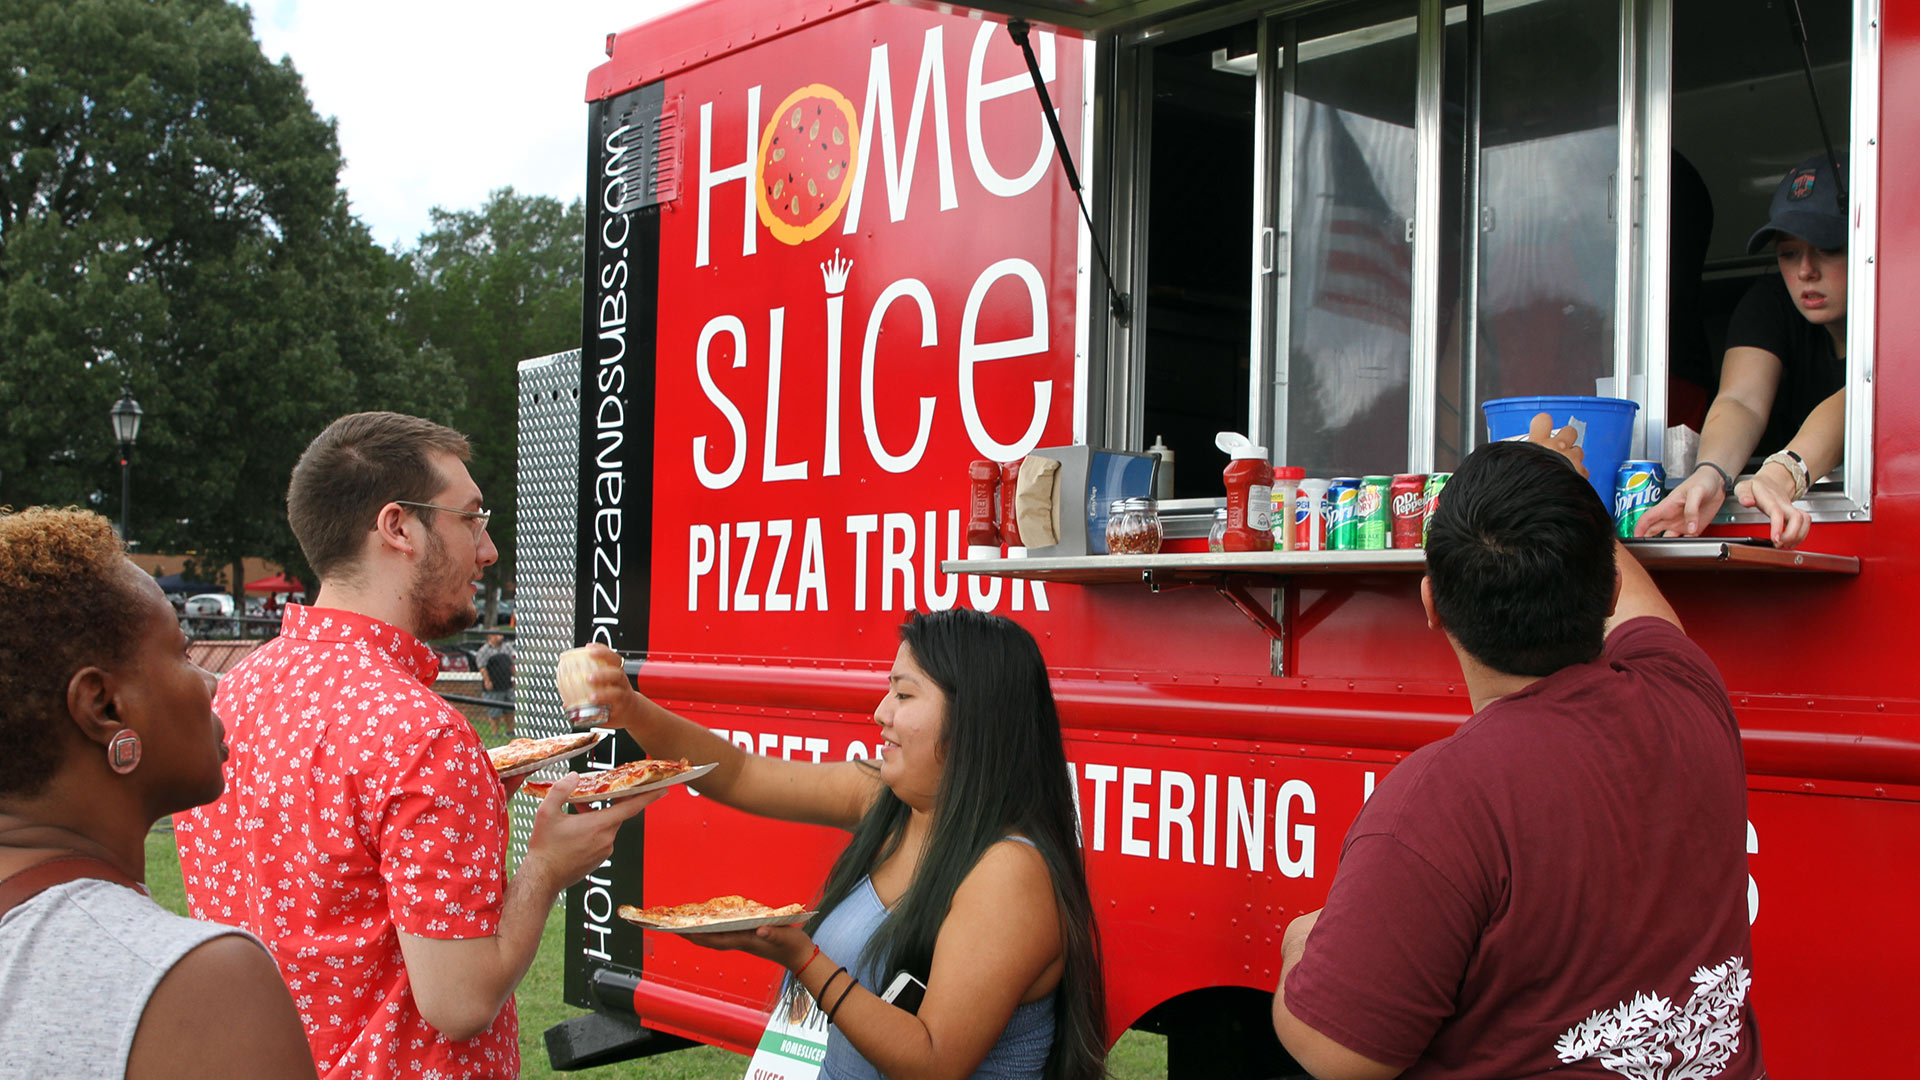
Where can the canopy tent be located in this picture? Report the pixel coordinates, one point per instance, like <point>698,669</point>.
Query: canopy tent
<point>278,583</point>
<point>172,583</point>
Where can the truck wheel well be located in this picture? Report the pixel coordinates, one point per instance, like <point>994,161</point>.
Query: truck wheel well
<point>1220,1033</point>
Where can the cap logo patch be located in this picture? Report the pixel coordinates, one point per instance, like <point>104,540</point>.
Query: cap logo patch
<point>1802,185</point>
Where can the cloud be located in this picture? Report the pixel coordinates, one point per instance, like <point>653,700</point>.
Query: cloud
<point>439,103</point>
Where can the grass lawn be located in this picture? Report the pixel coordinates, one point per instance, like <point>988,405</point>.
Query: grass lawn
<point>1137,1056</point>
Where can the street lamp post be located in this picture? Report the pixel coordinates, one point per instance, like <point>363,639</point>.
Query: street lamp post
<point>126,428</point>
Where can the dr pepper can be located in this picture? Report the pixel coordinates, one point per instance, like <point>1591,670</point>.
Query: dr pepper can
<point>1408,496</point>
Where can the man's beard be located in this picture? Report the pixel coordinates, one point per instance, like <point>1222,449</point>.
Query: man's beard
<point>436,614</point>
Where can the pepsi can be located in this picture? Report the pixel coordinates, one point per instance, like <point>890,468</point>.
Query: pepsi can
<point>1637,486</point>
<point>1343,514</point>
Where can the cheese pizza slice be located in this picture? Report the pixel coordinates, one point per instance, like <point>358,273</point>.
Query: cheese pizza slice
<point>523,752</point>
<point>720,909</point>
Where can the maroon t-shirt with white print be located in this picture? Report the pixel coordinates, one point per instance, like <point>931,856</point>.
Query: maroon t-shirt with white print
<point>1560,886</point>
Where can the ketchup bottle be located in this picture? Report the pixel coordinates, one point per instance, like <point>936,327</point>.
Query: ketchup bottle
<point>1009,523</point>
<point>1249,479</point>
<point>983,534</point>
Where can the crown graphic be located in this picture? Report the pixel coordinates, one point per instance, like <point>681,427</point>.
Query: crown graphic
<point>834,273</point>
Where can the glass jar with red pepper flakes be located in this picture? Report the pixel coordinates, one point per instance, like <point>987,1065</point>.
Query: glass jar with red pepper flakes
<point>1133,528</point>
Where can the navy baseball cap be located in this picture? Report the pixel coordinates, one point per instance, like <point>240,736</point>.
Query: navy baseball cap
<point>1809,204</point>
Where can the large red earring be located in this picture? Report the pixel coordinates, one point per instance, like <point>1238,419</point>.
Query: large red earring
<point>123,751</point>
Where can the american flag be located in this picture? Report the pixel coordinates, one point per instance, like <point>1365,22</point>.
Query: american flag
<point>1356,242</point>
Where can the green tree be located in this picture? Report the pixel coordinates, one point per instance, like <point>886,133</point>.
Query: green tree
<point>493,287</point>
<point>171,222</point>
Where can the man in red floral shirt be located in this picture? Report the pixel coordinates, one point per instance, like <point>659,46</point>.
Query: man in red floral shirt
<point>363,832</point>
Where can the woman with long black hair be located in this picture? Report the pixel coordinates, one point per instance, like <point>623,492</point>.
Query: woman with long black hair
<point>963,870</point>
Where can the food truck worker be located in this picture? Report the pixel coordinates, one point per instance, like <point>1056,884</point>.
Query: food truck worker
<point>1558,887</point>
<point>1783,380</point>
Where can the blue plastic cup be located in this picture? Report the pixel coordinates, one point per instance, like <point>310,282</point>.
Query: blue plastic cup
<point>1605,425</point>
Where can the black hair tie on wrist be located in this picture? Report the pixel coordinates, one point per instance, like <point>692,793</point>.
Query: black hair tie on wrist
<point>851,984</point>
<point>825,986</point>
<point>1726,479</point>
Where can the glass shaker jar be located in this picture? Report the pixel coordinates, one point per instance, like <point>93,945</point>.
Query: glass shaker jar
<point>1151,532</point>
<point>1133,528</point>
<point>1217,536</point>
<point>1119,530</point>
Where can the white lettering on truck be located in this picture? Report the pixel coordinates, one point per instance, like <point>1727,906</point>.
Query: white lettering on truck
<point>1152,806</point>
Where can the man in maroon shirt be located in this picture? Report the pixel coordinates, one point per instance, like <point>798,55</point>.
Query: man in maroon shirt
<point>1560,886</point>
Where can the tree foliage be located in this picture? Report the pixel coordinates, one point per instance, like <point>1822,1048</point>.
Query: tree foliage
<point>492,287</point>
<point>171,222</point>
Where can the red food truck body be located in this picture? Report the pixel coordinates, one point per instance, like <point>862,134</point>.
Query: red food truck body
<point>832,258</point>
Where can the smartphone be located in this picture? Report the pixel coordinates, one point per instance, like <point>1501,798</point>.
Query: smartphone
<point>905,992</point>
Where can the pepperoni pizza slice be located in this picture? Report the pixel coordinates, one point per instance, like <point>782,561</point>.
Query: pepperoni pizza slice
<point>622,780</point>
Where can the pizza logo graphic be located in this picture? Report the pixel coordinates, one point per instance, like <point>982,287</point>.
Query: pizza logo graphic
<point>807,158</point>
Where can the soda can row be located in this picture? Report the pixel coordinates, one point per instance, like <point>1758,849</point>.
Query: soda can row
<point>1366,513</point>
<point>1637,486</point>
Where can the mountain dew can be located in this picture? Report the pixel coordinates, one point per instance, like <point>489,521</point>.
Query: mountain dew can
<point>1436,483</point>
<point>1637,486</point>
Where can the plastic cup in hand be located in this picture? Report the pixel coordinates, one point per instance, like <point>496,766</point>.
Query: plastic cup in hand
<point>573,675</point>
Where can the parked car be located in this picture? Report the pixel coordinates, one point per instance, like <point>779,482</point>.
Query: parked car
<point>210,604</point>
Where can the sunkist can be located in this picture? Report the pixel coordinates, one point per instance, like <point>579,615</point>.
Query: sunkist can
<point>1436,482</point>
<point>1636,487</point>
<point>1373,513</point>
<point>1408,497</point>
<point>1343,519</point>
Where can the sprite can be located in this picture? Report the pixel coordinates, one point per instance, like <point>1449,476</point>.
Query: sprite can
<point>1436,482</point>
<point>1343,519</point>
<point>1374,512</point>
<point>1637,486</point>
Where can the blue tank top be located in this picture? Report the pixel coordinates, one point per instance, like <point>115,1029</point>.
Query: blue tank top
<point>1020,1053</point>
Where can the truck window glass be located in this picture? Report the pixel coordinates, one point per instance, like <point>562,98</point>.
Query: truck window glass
<point>1343,383</point>
<point>1549,193</point>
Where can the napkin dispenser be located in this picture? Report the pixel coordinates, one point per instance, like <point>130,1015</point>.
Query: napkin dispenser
<point>1089,479</point>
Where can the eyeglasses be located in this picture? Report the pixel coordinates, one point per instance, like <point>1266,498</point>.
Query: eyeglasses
<point>478,517</point>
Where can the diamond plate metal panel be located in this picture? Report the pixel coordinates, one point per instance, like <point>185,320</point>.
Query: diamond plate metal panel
<point>543,587</point>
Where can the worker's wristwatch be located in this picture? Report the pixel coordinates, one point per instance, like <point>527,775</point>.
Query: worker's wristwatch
<point>1796,467</point>
<point>1726,478</point>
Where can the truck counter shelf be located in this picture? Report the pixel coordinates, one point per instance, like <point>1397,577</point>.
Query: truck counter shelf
<point>1261,568</point>
<point>1233,573</point>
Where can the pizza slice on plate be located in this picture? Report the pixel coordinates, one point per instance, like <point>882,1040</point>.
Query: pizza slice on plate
<point>628,779</point>
<point>720,909</point>
<point>522,752</point>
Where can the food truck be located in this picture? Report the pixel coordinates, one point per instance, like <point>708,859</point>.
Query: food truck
<point>838,250</point>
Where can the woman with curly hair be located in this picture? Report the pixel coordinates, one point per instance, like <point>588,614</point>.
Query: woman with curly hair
<point>105,727</point>
<point>963,870</point>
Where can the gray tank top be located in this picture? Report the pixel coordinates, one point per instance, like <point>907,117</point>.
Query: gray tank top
<point>78,963</point>
<point>1020,1053</point>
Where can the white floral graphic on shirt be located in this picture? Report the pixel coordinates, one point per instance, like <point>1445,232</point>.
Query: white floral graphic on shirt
<point>1649,1039</point>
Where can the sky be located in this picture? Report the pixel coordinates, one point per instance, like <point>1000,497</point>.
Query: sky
<point>439,103</point>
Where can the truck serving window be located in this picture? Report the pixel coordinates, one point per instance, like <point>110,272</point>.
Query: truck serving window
<point>1454,202</point>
